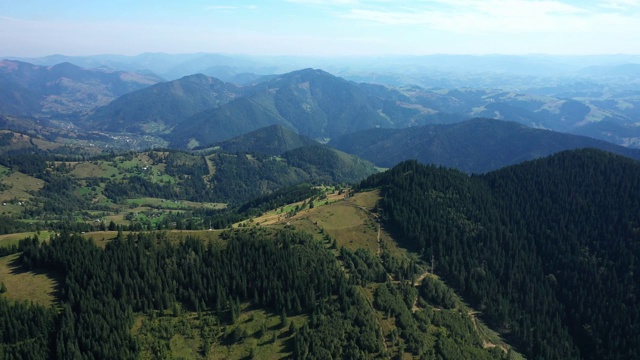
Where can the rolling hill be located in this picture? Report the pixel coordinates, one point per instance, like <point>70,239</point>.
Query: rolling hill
<point>473,146</point>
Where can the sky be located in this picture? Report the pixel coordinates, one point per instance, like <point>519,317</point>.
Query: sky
<point>31,28</point>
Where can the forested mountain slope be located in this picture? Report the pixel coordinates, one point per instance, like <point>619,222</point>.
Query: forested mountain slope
<point>159,108</point>
<point>271,140</point>
<point>548,250</point>
<point>315,103</point>
<point>473,146</point>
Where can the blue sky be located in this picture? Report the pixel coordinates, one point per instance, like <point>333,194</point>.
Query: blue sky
<point>315,27</point>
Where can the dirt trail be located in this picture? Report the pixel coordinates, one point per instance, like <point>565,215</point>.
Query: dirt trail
<point>485,342</point>
<point>420,278</point>
<point>379,242</point>
<point>416,283</point>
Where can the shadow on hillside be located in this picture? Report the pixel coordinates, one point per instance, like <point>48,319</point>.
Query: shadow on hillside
<point>17,267</point>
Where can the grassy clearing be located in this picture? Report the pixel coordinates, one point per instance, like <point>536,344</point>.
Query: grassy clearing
<point>45,145</point>
<point>351,226</point>
<point>141,165</point>
<point>174,204</point>
<point>204,235</point>
<point>102,238</point>
<point>257,342</point>
<point>349,221</point>
<point>26,285</point>
<point>20,186</point>
<point>276,216</point>
<point>367,199</point>
<point>210,165</point>
<point>193,143</point>
<point>14,239</point>
<point>90,169</point>
<point>179,334</point>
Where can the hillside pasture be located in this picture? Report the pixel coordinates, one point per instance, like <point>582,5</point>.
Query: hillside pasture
<point>19,187</point>
<point>351,226</point>
<point>91,169</point>
<point>157,203</point>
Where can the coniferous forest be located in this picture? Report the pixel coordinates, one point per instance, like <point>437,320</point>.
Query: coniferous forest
<point>547,250</point>
<point>286,272</point>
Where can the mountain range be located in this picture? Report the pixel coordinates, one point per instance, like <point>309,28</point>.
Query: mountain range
<point>397,69</point>
<point>62,89</point>
<point>198,111</point>
<point>313,102</point>
<point>322,106</point>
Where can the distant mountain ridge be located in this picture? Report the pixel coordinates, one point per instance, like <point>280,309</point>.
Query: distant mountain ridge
<point>62,89</point>
<point>313,102</point>
<point>196,111</point>
<point>322,106</point>
<point>473,146</point>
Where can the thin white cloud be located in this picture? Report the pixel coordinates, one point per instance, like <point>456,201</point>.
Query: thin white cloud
<point>501,16</point>
<point>382,26</point>
<point>619,4</point>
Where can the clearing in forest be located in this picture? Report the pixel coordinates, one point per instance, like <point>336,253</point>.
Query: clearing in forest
<point>23,284</point>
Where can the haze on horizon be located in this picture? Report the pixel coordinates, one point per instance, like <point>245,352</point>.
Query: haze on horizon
<point>32,28</point>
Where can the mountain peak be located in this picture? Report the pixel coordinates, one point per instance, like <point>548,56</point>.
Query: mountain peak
<point>308,74</point>
<point>65,66</point>
<point>161,106</point>
<point>200,79</point>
